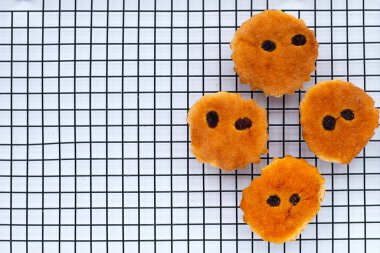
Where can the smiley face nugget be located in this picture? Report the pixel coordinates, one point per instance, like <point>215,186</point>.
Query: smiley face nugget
<point>274,52</point>
<point>227,131</point>
<point>337,120</point>
<point>283,200</point>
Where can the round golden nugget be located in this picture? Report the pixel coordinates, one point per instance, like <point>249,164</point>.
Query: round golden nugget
<point>283,200</point>
<point>227,131</point>
<point>274,52</point>
<point>337,120</point>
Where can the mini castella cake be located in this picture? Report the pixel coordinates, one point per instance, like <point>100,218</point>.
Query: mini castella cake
<point>283,200</point>
<point>337,120</point>
<point>227,131</point>
<point>274,52</point>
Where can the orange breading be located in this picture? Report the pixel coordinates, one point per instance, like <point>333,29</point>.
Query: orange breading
<point>227,131</point>
<point>278,70</point>
<point>299,190</point>
<point>337,120</point>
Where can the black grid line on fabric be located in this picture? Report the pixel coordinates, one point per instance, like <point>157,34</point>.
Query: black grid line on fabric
<point>43,129</point>
<point>75,139</point>
<point>299,131</point>
<point>154,123</point>
<point>107,39</point>
<point>11,155</point>
<point>203,167</point>
<point>171,130</point>
<point>59,132</point>
<point>90,71</point>
<point>27,136</point>
<point>171,119</point>
<point>200,10</point>
<point>364,150</point>
<point>348,166</point>
<point>252,169</point>
<point>138,130</point>
<point>188,207</point>
<point>122,133</point>
<point>332,165</point>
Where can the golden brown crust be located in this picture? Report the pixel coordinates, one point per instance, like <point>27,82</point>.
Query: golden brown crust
<point>287,67</point>
<point>283,177</point>
<point>224,146</point>
<point>348,137</point>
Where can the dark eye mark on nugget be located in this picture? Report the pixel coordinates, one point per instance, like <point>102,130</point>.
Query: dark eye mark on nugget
<point>294,199</point>
<point>328,123</point>
<point>243,123</point>
<point>299,40</point>
<point>347,114</point>
<point>212,119</point>
<point>273,200</point>
<point>268,45</point>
